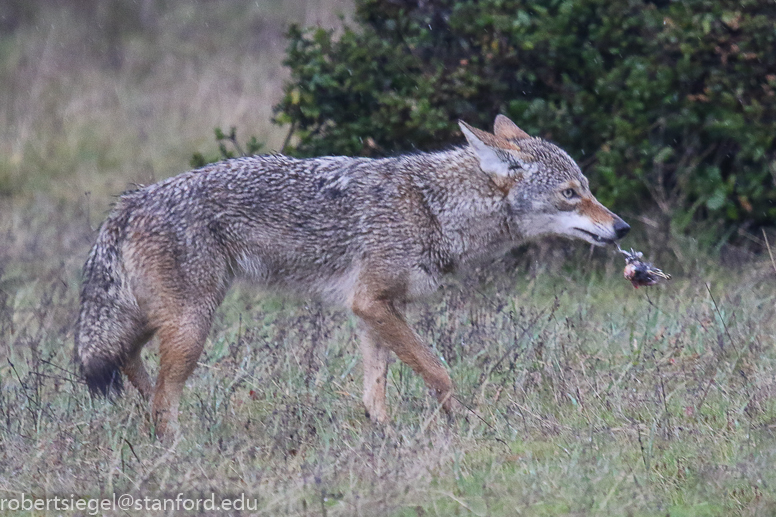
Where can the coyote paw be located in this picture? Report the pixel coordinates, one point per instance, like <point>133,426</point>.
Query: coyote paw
<point>378,415</point>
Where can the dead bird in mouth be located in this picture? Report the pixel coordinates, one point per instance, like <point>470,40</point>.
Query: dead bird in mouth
<point>640,273</point>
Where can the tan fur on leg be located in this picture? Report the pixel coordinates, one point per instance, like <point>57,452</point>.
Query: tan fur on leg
<point>387,326</point>
<point>179,348</point>
<point>375,358</point>
<point>137,374</point>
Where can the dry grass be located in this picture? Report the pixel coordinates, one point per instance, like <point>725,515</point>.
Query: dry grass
<point>587,397</point>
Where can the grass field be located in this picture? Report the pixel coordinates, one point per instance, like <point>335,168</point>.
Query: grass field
<point>585,397</point>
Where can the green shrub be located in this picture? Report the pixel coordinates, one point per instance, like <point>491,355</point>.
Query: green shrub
<point>252,147</point>
<point>666,105</point>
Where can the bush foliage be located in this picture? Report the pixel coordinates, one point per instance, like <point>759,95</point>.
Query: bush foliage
<point>666,105</point>
<point>252,147</point>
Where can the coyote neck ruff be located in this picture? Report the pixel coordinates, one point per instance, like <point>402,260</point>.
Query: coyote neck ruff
<point>367,234</point>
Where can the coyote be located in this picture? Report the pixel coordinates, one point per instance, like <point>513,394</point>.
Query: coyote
<point>369,234</point>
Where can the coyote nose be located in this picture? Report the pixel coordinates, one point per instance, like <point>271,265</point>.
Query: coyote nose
<point>621,228</point>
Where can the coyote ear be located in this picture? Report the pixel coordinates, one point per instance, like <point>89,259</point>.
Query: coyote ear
<point>508,130</point>
<point>487,147</point>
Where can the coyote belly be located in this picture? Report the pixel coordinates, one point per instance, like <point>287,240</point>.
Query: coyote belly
<point>367,234</point>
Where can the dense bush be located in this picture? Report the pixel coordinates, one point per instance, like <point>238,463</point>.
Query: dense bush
<point>667,105</point>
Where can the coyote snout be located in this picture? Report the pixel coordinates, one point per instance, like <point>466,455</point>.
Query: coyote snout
<point>371,235</point>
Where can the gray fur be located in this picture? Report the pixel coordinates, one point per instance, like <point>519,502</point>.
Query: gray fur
<point>352,231</point>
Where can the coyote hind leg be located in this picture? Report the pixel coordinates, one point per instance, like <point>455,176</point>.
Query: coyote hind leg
<point>386,326</point>
<point>180,344</point>
<point>135,370</point>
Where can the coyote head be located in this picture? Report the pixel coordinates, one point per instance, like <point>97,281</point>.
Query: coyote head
<point>546,190</point>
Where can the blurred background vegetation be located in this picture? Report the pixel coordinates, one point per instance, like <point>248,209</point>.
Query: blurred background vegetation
<point>98,94</point>
<point>670,107</point>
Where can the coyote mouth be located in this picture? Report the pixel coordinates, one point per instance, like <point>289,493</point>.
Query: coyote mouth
<point>597,238</point>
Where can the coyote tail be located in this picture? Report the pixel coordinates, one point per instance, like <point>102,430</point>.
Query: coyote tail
<point>107,322</point>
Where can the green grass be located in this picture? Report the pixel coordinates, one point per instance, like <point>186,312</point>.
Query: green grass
<point>586,397</point>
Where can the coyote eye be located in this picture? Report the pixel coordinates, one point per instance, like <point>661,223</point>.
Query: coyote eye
<point>570,193</point>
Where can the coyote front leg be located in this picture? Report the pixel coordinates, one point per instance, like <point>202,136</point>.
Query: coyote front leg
<point>385,326</point>
<point>375,358</point>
